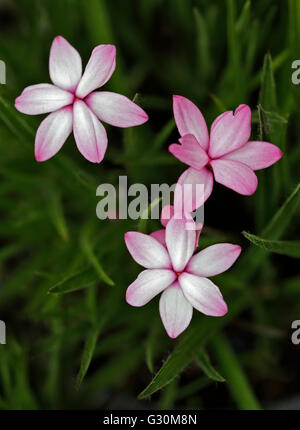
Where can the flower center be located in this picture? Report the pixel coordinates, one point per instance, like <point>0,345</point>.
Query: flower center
<point>76,99</point>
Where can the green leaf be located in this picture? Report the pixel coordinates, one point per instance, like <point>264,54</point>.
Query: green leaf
<point>234,373</point>
<point>15,122</point>
<point>163,135</point>
<point>193,387</point>
<point>232,37</point>
<point>186,351</point>
<point>273,231</point>
<point>267,96</point>
<point>243,21</point>
<point>293,27</point>
<point>98,21</point>
<point>204,63</point>
<point>83,279</point>
<point>272,129</point>
<point>284,247</point>
<point>87,247</point>
<point>218,102</point>
<point>57,215</point>
<point>168,396</point>
<point>277,62</point>
<point>204,362</point>
<point>151,344</point>
<point>87,354</point>
<point>283,216</point>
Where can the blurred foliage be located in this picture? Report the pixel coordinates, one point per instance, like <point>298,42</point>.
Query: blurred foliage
<point>72,341</point>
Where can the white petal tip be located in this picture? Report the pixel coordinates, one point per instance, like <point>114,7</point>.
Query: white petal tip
<point>129,299</point>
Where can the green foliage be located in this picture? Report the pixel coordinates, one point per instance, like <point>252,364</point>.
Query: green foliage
<point>72,340</point>
<point>234,373</point>
<point>187,350</point>
<point>204,362</point>
<point>285,247</point>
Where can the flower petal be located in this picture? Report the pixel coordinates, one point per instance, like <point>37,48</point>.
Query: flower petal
<point>213,260</point>
<point>42,98</point>
<point>160,235</point>
<point>234,175</point>
<point>148,284</point>
<point>52,133</point>
<point>180,243</point>
<point>189,120</point>
<point>65,66</point>
<point>147,251</point>
<point>175,311</point>
<point>230,132</point>
<point>116,109</point>
<point>203,295</point>
<point>89,133</point>
<point>187,196</point>
<point>167,213</point>
<point>256,155</point>
<point>98,71</point>
<point>189,152</point>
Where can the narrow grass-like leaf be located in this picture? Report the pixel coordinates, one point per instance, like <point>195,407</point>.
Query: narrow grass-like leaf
<point>168,396</point>
<point>163,135</point>
<point>87,355</point>
<point>267,96</point>
<point>186,351</point>
<point>15,121</point>
<point>204,362</point>
<point>273,231</point>
<point>88,249</point>
<point>100,29</point>
<point>77,281</point>
<point>283,216</point>
<point>235,376</point>
<point>243,20</point>
<point>204,63</point>
<point>57,215</point>
<point>270,129</point>
<point>151,347</point>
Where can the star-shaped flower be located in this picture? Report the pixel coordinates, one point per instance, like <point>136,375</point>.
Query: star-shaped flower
<point>171,269</point>
<point>73,104</point>
<point>225,154</point>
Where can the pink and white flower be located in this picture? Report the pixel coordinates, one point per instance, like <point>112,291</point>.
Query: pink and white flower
<point>74,106</point>
<point>171,269</point>
<point>226,151</point>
